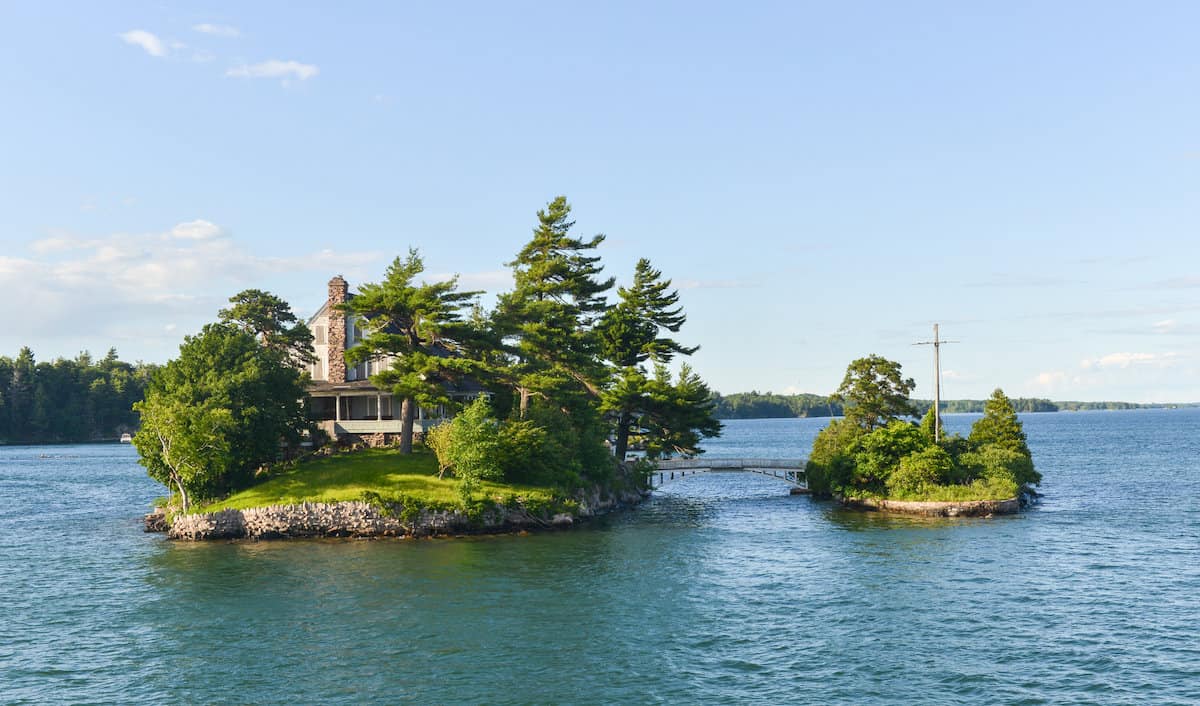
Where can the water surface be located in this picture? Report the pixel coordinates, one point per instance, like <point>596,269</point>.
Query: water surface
<point>721,589</point>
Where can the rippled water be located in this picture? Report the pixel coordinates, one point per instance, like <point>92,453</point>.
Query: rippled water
<point>722,589</point>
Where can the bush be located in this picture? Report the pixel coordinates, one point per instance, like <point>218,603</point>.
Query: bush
<point>1002,462</point>
<point>877,455</point>
<point>927,467</point>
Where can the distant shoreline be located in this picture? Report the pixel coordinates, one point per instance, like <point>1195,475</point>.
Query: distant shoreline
<point>750,405</point>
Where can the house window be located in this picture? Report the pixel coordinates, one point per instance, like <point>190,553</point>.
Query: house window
<point>319,335</point>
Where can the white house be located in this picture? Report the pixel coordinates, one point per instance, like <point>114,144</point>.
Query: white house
<point>343,401</point>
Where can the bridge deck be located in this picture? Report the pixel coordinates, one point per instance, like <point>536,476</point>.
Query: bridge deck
<point>789,470</point>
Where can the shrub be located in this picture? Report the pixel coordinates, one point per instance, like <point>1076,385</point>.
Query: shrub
<point>1001,462</point>
<point>927,467</point>
<point>878,454</point>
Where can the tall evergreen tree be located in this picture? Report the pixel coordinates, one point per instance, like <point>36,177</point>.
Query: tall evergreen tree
<point>422,328</point>
<point>999,425</point>
<point>632,333</point>
<point>549,318</point>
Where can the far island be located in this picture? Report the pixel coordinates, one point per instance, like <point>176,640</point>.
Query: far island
<point>874,457</point>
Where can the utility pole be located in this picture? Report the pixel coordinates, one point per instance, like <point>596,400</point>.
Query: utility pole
<point>937,381</point>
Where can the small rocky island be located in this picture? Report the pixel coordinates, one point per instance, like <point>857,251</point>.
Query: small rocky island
<point>874,458</point>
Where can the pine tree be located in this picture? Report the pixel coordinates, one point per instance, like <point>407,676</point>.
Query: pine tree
<point>632,333</point>
<point>549,318</point>
<point>420,326</point>
<point>999,425</point>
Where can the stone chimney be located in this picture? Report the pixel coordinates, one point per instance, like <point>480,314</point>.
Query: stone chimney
<point>337,331</point>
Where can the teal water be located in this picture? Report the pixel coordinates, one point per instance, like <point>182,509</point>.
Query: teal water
<point>721,589</point>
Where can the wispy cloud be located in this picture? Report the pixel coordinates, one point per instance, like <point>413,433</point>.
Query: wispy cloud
<point>141,38</point>
<point>1125,359</point>
<point>198,229</point>
<point>1021,280</point>
<point>107,288</point>
<point>217,30</point>
<point>275,68</point>
<point>1186,282</point>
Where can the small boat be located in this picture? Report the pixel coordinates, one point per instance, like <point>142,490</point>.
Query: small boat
<point>126,439</point>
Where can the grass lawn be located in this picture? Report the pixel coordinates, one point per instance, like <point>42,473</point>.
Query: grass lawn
<point>384,471</point>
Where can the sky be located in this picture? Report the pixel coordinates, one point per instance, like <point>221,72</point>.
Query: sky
<point>821,181</point>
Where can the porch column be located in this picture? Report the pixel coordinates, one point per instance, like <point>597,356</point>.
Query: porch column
<point>379,408</point>
<point>337,408</point>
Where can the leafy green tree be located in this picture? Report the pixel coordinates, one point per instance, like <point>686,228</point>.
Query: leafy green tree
<point>831,463</point>
<point>218,412</point>
<point>271,319</point>
<point>632,333</point>
<point>421,328</point>
<point>548,319</point>
<point>878,454</point>
<point>875,393</point>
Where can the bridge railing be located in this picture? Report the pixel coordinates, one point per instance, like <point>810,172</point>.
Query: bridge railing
<point>790,470</point>
<point>730,463</point>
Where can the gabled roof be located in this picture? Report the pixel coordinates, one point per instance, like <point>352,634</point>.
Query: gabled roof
<point>324,310</point>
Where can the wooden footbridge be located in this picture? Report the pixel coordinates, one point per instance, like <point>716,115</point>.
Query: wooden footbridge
<point>789,470</point>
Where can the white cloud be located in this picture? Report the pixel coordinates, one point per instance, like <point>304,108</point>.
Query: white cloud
<point>128,289</point>
<point>141,38</point>
<point>198,229</point>
<point>274,69</point>
<point>217,30</point>
<point>488,281</point>
<point>1164,326</point>
<point>1052,378</point>
<point>1124,360</point>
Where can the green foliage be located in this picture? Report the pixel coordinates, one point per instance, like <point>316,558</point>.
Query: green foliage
<point>671,417</point>
<point>920,470</point>
<point>1001,462</point>
<point>548,320</point>
<point>270,318</point>
<point>421,328</point>
<point>756,405</point>
<point>216,413</point>
<point>69,400</point>
<point>874,393</point>
<point>901,461</point>
<point>472,445</point>
<point>831,463</point>
<point>999,425</point>
<point>879,452</point>
<point>676,414</point>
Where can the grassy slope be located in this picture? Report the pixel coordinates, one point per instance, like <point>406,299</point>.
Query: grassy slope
<point>383,471</point>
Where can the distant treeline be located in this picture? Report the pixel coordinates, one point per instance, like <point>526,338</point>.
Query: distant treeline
<point>757,405</point>
<point>68,400</point>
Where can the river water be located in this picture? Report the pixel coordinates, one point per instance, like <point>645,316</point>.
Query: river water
<point>721,589</point>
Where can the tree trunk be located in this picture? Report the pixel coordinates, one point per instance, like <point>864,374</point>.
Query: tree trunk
<point>183,496</point>
<point>524,401</point>
<point>406,425</point>
<point>622,440</point>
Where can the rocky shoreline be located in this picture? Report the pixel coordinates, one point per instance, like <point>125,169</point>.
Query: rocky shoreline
<point>362,519</point>
<point>961,508</point>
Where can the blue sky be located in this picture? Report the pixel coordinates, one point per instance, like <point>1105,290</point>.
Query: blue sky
<point>822,181</point>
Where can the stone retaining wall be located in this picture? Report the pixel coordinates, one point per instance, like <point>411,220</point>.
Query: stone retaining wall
<point>360,519</point>
<point>970,508</point>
